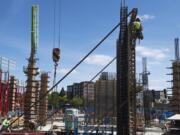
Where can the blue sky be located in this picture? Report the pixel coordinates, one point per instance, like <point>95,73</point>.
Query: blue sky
<point>83,24</point>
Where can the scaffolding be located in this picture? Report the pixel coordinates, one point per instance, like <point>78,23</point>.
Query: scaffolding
<point>4,93</point>
<point>5,65</point>
<point>176,80</point>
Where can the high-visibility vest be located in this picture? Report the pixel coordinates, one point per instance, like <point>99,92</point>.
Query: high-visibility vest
<point>137,25</point>
<point>6,123</point>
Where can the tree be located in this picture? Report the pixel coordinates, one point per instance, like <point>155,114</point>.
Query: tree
<point>76,102</point>
<point>62,92</point>
<point>53,99</point>
<point>63,100</point>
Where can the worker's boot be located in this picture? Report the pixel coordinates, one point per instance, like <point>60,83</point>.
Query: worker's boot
<point>141,36</point>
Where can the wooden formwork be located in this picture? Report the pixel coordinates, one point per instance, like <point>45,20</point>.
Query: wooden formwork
<point>12,93</point>
<point>42,115</point>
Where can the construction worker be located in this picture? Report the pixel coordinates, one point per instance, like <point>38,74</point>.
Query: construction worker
<point>5,124</point>
<point>138,29</point>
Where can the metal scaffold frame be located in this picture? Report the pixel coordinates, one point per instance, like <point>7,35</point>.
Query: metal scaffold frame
<point>4,94</point>
<point>5,66</point>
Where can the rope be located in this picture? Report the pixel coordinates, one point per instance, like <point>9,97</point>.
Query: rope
<point>91,51</point>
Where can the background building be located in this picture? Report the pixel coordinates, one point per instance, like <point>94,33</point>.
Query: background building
<point>88,96</point>
<point>105,96</point>
<point>108,76</point>
<point>84,90</point>
<point>70,91</point>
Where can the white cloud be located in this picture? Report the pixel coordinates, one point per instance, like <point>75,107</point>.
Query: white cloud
<point>166,50</point>
<point>65,70</point>
<point>98,59</point>
<point>156,54</point>
<point>146,17</point>
<point>154,63</point>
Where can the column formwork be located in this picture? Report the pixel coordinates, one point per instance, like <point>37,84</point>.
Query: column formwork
<point>12,93</point>
<point>43,103</point>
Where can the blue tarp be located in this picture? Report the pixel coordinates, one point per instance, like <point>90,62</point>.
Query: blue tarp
<point>166,115</point>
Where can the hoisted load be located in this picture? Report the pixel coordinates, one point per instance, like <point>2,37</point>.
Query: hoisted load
<point>56,54</point>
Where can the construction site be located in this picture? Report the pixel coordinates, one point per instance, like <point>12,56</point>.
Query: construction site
<point>121,101</point>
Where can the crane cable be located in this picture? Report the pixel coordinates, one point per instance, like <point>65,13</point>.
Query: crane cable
<point>55,63</point>
<point>54,25</point>
<point>70,71</point>
<point>54,44</point>
<point>56,51</point>
<point>59,37</point>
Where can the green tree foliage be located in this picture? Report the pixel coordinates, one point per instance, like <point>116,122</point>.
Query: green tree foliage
<point>53,99</point>
<point>56,100</point>
<point>76,102</point>
<point>62,92</point>
<point>63,100</point>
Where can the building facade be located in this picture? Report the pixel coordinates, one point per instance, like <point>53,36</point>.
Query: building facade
<point>108,76</point>
<point>84,90</point>
<point>105,96</point>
